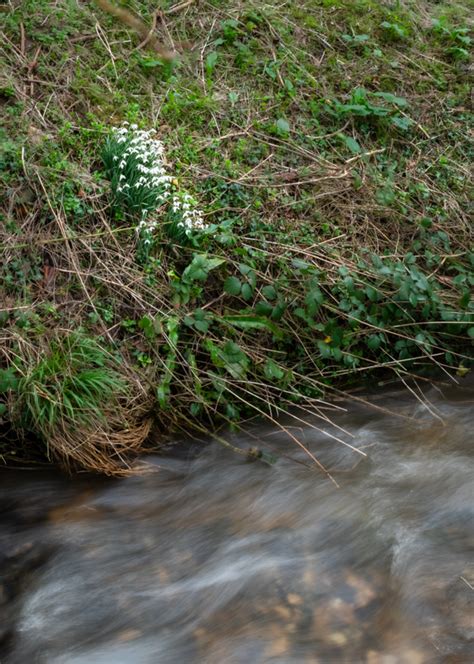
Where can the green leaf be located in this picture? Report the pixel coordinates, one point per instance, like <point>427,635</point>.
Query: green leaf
<point>252,323</point>
<point>391,98</point>
<point>282,127</point>
<point>247,292</point>
<point>272,371</point>
<point>269,292</point>
<point>278,311</point>
<point>232,286</point>
<point>401,122</point>
<point>211,60</point>
<point>298,264</point>
<point>162,393</point>
<point>244,268</point>
<point>195,409</point>
<point>147,324</point>
<point>374,342</point>
<point>8,380</point>
<point>350,143</point>
<point>172,325</point>
<point>230,357</point>
<point>3,409</point>
<point>324,349</point>
<point>356,109</point>
<point>313,301</point>
<point>263,308</point>
<point>200,266</point>
<point>201,325</point>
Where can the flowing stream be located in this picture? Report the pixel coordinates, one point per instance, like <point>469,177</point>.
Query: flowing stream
<point>217,559</point>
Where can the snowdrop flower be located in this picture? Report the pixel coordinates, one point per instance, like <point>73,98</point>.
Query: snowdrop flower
<point>145,185</point>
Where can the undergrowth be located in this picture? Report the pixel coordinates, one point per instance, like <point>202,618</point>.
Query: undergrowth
<point>310,229</point>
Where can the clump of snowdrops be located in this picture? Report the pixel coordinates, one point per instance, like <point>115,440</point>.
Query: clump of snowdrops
<point>142,186</point>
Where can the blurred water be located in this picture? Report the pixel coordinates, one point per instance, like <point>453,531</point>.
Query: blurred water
<point>217,559</point>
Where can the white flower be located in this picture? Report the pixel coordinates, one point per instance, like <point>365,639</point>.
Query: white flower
<point>143,159</point>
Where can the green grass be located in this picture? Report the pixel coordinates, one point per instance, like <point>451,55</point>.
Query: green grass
<point>67,387</point>
<point>327,143</point>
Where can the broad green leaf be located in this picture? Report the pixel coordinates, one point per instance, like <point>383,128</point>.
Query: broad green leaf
<point>374,342</point>
<point>247,292</point>
<point>211,60</point>
<point>272,371</point>
<point>263,308</point>
<point>324,349</point>
<point>401,122</point>
<point>356,109</point>
<point>313,301</point>
<point>8,380</point>
<point>200,266</point>
<point>232,286</point>
<point>269,292</point>
<point>350,143</point>
<point>278,311</point>
<point>201,325</point>
<point>391,98</point>
<point>282,127</point>
<point>244,268</point>
<point>230,357</point>
<point>253,323</point>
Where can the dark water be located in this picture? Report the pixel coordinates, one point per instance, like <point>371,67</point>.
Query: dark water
<point>219,560</point>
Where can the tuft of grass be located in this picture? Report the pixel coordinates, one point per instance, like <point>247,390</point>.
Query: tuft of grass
<point>69,386</point>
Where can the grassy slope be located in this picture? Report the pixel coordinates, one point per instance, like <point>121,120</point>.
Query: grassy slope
<point>305,178</point>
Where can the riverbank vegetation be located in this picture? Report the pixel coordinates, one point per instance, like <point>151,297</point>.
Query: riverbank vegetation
<point>253,207</point>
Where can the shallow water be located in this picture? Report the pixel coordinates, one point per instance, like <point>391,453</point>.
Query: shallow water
<point>217,559</point>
